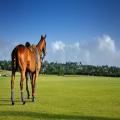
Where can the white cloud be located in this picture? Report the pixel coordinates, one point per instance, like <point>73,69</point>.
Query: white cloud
<point>75,45</point>
<point>58,46</point>
<point>87,56</point>
<point>106,44</point>
<point>105,52</point>
<point>100,51</point>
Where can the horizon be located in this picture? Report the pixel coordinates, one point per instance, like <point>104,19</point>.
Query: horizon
<point>85,31</point>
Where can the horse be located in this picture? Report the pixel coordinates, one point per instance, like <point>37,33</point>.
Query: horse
<point>28,60</point>
<point>27,74</point>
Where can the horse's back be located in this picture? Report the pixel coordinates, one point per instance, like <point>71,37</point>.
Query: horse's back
<point>26,57</point>
<point>21,50</point>
<point>18,48</point>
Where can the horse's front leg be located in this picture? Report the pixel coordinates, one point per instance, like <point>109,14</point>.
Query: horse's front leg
<point>27,89</point>
<point>33,87</point>
<point>21,86</point>
<point>35,77</point>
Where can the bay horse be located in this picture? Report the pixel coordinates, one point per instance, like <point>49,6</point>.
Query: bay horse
<point>28,60</point>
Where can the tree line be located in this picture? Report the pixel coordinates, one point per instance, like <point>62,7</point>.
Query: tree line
<point>77,68</point>
<point>71,68</point>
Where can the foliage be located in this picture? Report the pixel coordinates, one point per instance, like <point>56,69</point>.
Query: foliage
<point>74,68</point>
<point>71,68</point>
<point>5,65</point>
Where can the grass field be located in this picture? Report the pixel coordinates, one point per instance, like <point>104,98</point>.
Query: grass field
<point>67,97</point>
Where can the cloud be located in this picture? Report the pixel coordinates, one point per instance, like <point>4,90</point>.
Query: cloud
<point>104,52</point>
<point>62,52</point>
<point>75,45</point>
<point>106,44</point>
<point>107,52</point>
<point>58,46</point>
<point>100,51</point>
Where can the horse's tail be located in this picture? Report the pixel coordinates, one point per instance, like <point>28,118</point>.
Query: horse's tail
<point>14,57</point>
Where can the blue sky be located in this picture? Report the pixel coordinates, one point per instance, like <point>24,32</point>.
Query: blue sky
<point>77,30</point>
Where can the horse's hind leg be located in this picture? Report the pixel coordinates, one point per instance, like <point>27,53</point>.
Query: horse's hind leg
<point>12,86</point>
<point>27,89</point>
<point>21,86</point>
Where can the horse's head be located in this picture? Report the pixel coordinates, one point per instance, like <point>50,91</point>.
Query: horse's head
<point>43,39</point>
<point>42,46</point>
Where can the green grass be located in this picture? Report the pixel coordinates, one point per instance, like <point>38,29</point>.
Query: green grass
<point>67,97</point>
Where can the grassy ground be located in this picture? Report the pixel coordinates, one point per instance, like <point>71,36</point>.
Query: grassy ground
<point>68,97</point>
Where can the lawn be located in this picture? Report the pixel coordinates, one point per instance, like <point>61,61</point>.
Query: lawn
<point>64,97</point>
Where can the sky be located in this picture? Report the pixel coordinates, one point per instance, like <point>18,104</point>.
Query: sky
<point>86,31</point>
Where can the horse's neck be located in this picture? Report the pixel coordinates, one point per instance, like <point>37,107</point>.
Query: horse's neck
<point>40,47</point>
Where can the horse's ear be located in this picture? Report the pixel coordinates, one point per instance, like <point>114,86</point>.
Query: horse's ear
<point>41,36</point>
<point>45,36</point>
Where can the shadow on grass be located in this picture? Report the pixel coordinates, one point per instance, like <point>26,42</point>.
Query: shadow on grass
<point>52,116</point>
<point>4,101</point>
<point>7,101</point>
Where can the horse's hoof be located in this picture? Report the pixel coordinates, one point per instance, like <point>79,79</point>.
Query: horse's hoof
<point>33,99</point>
<point>23,102</point>
<point>13,103</point>
<point>28,97</point>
